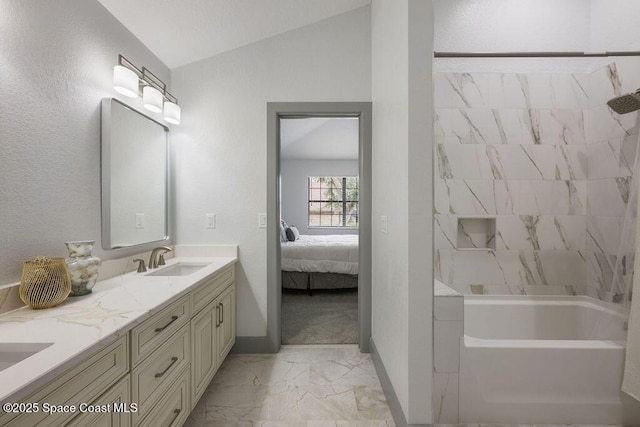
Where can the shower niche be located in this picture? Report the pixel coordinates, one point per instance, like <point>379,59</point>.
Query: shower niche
<point>476,233</point>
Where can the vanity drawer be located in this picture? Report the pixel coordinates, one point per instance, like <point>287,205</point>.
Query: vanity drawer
<point>174,407</point>
<point>211,288</point>
<point>149,335</point>
<point>81,384</point>
<point>112,409</point>
<point>154,375</point>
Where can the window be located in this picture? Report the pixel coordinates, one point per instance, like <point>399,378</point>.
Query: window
<point>333,201</point>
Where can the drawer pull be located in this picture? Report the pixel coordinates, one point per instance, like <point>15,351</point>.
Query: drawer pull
<point>176,412</point>
<point>173,319</point>
<point>174,359</point>
<point>218,316</point>
<point>221,313</point>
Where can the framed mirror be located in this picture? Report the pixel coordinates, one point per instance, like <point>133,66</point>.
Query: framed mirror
<point>135,177</point>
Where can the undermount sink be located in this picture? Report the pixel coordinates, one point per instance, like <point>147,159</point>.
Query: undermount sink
<point>12,353</point>
<point>179,269</point>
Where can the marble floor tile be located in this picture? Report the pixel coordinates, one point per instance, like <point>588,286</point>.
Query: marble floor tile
<point>301,386</point>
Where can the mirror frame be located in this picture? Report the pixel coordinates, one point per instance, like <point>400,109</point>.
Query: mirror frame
<point>105,176</point>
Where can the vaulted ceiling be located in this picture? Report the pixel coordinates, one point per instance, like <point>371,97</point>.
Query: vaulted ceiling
<point>180,32</point>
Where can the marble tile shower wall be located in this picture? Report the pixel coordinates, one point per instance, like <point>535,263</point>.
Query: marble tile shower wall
<point>521,148</point>
<point>611,149</point>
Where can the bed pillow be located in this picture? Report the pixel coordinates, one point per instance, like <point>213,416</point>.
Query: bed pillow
<point>283,228</point>
<point>290,234</point>
<point>296,233</point>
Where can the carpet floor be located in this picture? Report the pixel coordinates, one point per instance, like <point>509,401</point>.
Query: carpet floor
<point>326,317</point>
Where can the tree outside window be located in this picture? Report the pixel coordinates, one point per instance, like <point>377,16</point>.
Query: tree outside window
<point>333,201</point>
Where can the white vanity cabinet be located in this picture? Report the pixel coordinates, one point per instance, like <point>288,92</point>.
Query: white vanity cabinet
<point>155,373</point>
<point>212,329</point>
<point>83,383</point>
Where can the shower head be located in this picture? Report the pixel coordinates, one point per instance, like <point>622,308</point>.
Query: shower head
<point>625,103</point>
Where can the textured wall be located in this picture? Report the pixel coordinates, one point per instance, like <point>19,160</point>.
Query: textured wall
<point>56,64</point>
<point>536,25</point>
<point>402,40</point>
<point>505,25</point>
<point>220,148</point>
<point>390,288</point>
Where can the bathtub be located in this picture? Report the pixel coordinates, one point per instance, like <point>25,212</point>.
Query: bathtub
<point>547,360</point>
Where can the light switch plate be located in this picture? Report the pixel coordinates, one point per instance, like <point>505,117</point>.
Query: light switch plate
<point>210,220</point>
<point>139,220</point>
<point>262,220</point>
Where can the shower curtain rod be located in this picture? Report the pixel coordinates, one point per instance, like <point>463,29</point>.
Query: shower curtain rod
<point>531,54</point>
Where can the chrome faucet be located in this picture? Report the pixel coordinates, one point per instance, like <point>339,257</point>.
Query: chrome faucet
<point>153,262</point>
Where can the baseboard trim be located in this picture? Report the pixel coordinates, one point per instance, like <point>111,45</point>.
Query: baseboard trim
<point>253,345</point>
<point>389,392</point>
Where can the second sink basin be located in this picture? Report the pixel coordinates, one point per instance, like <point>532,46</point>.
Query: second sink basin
<point>12,353</point>
<point>179,269</point>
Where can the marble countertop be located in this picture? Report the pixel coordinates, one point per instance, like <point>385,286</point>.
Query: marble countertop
<point>83,325</point>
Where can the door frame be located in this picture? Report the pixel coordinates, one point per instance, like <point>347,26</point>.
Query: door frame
<point>276,111</point>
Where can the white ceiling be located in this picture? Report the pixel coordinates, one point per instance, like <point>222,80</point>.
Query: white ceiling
<point>319,138</point>
<point>180,32</point>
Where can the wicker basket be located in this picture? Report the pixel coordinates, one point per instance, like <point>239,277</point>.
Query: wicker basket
<point>45,282</point>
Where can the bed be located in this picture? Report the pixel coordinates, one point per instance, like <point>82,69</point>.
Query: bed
<point>320,262</point>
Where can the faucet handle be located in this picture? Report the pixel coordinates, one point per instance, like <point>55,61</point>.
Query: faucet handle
<point>141,267</point>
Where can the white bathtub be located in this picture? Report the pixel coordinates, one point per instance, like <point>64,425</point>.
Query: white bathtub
<point>551,360</point>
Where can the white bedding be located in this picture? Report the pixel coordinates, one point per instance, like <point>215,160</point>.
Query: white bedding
<point>321,254</point>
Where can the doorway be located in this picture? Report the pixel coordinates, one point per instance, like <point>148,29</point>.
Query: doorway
<point>276,112</point>
<point>319,206</point>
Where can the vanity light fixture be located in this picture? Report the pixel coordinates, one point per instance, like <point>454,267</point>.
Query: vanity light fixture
<point>125,81</point>
<point>152,99</point>
<point>172,112</point>
<point>130,81</point>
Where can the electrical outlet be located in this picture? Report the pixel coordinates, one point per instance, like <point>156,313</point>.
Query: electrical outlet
<point>262,220</point>
<point>210,221</point>
<point>139,220</point>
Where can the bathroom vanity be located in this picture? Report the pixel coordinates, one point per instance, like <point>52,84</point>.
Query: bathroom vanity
<point>139,351</point>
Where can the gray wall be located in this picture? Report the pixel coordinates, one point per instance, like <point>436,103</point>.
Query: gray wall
<point>220,148</point>
<point>56,64</point>
<point>294,190</point>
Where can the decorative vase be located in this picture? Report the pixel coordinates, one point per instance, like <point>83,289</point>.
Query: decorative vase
<point>82,266</point>
<point>45,282</point>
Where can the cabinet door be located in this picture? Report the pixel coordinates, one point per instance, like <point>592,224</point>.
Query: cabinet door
<point>204,350</point>
<point>226,321</point>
